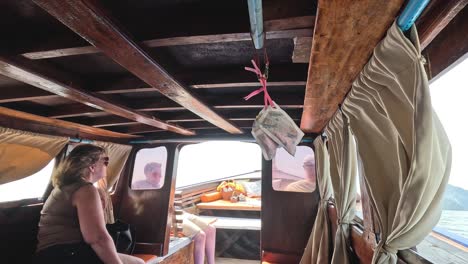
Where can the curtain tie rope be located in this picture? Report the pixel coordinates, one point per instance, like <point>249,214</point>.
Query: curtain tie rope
<point>385,248</point>
<point>341,222</point>
<point>324,201</point>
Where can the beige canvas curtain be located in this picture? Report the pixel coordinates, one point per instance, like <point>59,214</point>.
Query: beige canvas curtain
<point>318,246</point>
<point>343,178</point>
<point>405,152</point>
<point>24,153</point>
<point>118,155</point>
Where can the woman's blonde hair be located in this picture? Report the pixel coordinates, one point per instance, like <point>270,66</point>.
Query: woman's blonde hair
<point>76,165</point>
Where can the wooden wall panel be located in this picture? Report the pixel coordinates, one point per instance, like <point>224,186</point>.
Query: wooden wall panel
<point>147,210</point>
<point>287,217</point>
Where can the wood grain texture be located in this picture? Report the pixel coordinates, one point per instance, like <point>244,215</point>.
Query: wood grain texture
<point>147,210</point>
<point>39,124</point>
<point>345,35</point>
<point>213,78</point>
<point>178,117</point>
<point>302,46</point>
<point>51,80</point>
<point>450,45</point>
<point>439,15</point>
<point>182,256</point>
<point>287,101</point>
<point>287,217</point>
<point>275,29</point>
<point>91,22</point>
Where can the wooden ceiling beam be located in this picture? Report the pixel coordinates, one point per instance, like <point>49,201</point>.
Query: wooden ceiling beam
<point>47,78</point>
<point>286,101</point>
<point>437,17</point>
<point>23,93</point>
<point>177,117</point>
<point>39,124</point>
<point>19,94</point>
<point>280,75</point>
<point>95,25</point>
<point>449,46</point>
<point>275,29</point>
<point>141,128</point>
<point>345,35</point>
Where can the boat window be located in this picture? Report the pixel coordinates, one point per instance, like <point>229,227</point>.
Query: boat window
<point>448,95</point>
<point>216,160</point>
<point>294,173</point>
<point>358,185</point>
<point>150,168</point>
<point>32,186</point>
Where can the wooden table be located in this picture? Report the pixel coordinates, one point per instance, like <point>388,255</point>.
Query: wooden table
<point>249,205</point>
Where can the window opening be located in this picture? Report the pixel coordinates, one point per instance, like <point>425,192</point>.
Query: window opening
<point>294,173</point>
<point>448,95</point>
<point>358,211</point>
<point>32,186</point>
<point>150,169</point>
<point>217,160</point>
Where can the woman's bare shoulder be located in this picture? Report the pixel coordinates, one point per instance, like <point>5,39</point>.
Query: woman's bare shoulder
<point>87,192</point>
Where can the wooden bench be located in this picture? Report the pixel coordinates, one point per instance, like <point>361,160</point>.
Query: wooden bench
<point>180,252</point>
<point>235,223</point>
<point>249,205</point>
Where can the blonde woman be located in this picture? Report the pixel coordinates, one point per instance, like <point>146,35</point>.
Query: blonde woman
<point>72,228</point>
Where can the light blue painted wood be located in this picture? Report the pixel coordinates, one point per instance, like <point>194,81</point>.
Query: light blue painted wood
<point>411,13</point>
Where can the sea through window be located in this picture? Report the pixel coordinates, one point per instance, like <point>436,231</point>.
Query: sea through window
<point>448,95</point>
<point>32,186</point>
<point>217,160</point>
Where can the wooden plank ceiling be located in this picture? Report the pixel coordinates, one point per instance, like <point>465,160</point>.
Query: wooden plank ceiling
<point>151,67</point>
<point>345,35</point>
<point>118,70</point>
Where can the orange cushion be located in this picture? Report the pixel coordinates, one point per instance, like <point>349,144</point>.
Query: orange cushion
<point>210,197</point>
<point>145,257</point>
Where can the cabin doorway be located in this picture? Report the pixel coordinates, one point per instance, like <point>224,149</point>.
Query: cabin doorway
<point>220,182</point>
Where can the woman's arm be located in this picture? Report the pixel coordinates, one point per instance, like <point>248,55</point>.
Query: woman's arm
<point>92,226</point>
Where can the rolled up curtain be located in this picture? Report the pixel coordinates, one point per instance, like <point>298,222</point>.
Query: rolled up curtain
<point>405,152</point>
<point>319,245</point>
<point>343,178</point>
<point>118,155</point>
<point>25,153</point>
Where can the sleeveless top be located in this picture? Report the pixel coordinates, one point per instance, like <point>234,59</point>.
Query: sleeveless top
<point>59,218</point>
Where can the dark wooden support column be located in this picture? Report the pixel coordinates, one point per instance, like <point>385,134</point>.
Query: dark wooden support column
<point>345,35</point>
<point>91,22</point>
<point>51,80</point>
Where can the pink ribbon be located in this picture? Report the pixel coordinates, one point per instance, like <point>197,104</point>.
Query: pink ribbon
<point>263,81</point>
